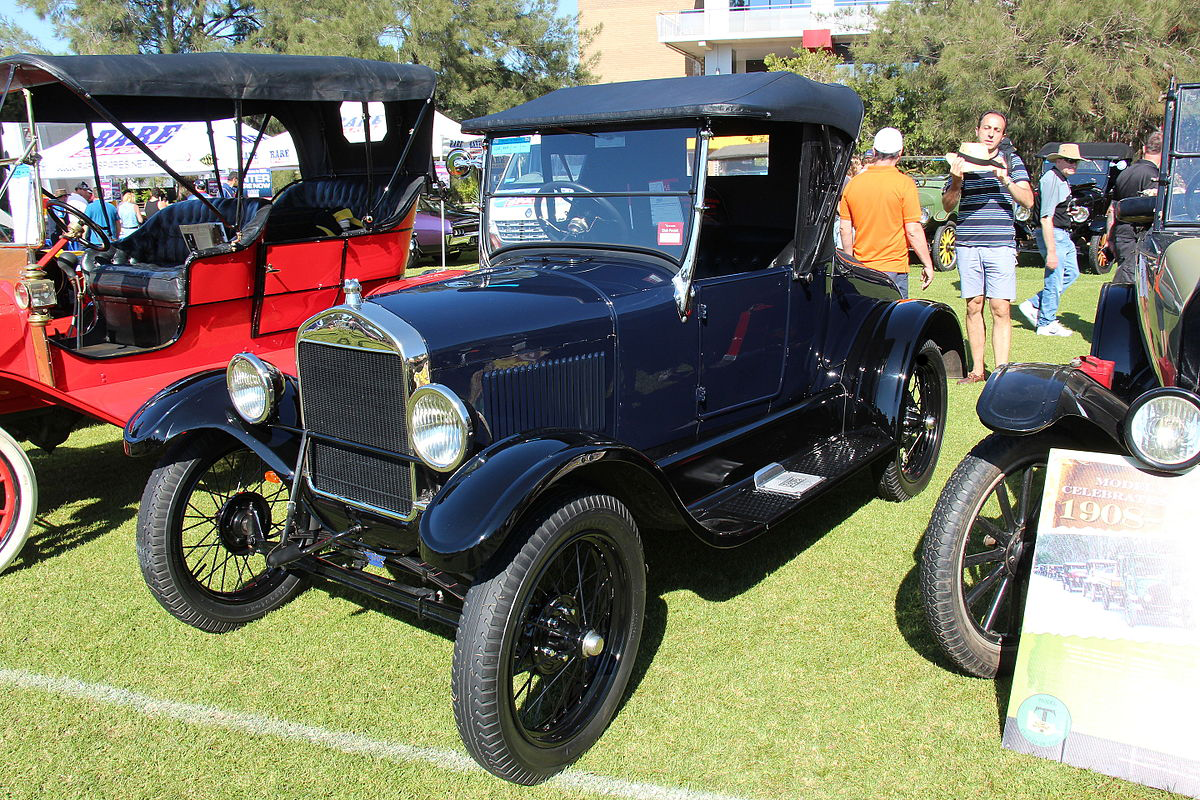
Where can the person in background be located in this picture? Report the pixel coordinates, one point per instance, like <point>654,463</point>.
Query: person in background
<point>229,188</point>
<point>80,198</point>
<point>104,214</point>
<point>153,204</point>
<point>129,214</point>
<point>880,215</point>
<point>1140,177</point>
<point>984,190</point>
<point>1055,243</point>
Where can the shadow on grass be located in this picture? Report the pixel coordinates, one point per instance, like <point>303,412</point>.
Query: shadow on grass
<point>1083,327</point>
<point>101,484</point>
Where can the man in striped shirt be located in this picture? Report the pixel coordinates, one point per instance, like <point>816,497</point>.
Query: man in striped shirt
<point>984,190</point>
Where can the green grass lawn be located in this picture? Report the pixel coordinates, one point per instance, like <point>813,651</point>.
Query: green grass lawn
<point>795,667</point>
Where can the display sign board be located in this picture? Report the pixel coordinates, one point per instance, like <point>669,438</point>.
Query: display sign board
<point>1107,671</point>
<point>258,183</point>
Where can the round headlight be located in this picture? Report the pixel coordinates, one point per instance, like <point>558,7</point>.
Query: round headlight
<point>438,426</point>
<point>254,387</point>
<point>924,216</point>
<point>1079,214</point>
<point>1163,429</point>
<point>1022,213</point>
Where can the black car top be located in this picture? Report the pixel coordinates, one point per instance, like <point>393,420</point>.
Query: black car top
<point>773,96</point>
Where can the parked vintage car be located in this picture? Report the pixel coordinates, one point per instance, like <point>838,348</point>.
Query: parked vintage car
<point>489,451</point>
<point>1135,394</point>
<point>1153,590</point>
<point>939,224</point>
<point>442,228</point>
<point>94,335</point>
<point>1091,195</point>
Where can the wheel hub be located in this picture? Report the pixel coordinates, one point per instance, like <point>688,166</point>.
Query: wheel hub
<point>561,636</point>
<point>242,521</point>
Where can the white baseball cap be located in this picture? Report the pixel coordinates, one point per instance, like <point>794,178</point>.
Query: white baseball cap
<point>888,142</point>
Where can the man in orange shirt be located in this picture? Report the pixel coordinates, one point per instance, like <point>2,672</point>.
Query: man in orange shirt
<point>881,215</point>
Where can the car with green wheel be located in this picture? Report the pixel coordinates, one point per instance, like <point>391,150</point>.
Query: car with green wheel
<point>1136,393</point>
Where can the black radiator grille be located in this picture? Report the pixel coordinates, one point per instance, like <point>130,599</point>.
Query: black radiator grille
<point>357,396</point>
<point>360,478</point>
<point>557,393</point>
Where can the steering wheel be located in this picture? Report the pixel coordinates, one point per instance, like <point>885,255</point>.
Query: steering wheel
<point>55,209</point>
<point>606,210</point>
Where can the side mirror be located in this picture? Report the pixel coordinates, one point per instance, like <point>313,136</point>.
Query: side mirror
<point>1136,210</point>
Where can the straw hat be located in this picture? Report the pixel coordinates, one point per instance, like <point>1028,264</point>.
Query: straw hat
<point>1066,150</point>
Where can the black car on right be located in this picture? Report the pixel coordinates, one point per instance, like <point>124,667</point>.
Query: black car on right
<point>1091,195</point>
<point>1137,393</point>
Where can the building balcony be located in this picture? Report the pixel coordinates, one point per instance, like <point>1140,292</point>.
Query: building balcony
<point>692,30</point>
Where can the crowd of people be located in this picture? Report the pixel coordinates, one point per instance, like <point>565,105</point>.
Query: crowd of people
<point>122,219</point>
<point>880,220</point>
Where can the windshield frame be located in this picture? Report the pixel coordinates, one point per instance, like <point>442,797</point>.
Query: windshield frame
<point>1170,203</point>
<point>490,190</point>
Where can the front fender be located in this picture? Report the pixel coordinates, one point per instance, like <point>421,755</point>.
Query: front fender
<point>478,508</point>
<point>201,402</point>
<point>893,343</point>
<point>1021,399</point>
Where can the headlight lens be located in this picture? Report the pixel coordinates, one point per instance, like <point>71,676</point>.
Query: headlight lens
<point>254,387</point>
<point>1163,429</point>
<point>1022,213</point>
<point>439,427</point>
<point>924,216</point>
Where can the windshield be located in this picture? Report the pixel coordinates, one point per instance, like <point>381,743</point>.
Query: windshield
<point>1183,202</point>
<point>625,189</point>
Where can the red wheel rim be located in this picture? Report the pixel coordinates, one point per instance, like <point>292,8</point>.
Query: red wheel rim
<point>10,499</point>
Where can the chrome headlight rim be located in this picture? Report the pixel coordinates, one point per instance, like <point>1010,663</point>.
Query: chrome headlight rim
<point>1137,407</point>
<point>460,417</point>
<point>269,379</point>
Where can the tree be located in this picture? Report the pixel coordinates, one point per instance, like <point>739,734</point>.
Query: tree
<point>1062,70</point>
<point>820,65</point>
<point>149,26</point>
<point>15,39</point>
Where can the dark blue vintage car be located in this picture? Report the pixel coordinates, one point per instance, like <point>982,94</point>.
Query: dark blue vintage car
<point>677,346</point>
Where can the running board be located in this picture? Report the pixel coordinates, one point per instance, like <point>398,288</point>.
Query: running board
<point>778,489</point>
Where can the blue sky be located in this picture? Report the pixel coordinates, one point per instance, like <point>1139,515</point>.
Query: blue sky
<point>44,31</point>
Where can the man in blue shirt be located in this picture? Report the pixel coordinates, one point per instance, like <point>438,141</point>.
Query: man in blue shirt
<point>104,214</point>
<point>1055,243</point>
<point>983,186</point>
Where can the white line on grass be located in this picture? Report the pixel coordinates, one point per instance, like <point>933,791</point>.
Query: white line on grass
<point>346,742</point>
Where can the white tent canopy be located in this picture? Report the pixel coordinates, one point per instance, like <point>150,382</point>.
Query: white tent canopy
<point>182,145</point>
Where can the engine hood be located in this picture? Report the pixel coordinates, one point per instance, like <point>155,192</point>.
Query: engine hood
<point>511,311</point>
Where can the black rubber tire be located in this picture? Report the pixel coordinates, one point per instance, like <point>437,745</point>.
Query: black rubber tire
<point>941,247</point>
<point>960,624</point>
<point>1097,262</point>
<point>201,477</point>
<point>907,473</point>
<point>515,599</point>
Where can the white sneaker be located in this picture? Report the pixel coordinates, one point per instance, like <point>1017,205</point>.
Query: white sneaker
<point>1028,312</point>
<point>1055,328</point>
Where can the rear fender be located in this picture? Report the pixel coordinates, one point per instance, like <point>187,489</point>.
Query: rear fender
<point>201,402</point>
<point>485,500</point>
<point>1023,399</point>
<point>893,343</point>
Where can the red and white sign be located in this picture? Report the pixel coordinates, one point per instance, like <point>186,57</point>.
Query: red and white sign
<point>670,234</point>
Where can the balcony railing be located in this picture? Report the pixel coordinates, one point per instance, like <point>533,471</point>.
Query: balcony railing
<point>782,20</point>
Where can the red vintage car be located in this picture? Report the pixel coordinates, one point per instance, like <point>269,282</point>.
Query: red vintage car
<point>92,328</point>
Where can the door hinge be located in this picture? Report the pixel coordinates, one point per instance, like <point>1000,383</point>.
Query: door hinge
<point>702,312</point>
<point>701,396</point>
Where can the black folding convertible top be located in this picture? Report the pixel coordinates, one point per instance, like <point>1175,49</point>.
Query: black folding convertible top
<point>1110,151</point>
<point>196,86</point>
<point>774,96</point>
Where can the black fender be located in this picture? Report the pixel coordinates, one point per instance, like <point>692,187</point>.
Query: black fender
<point>201,402</point>
<point>891,347</point>
<point>476,511</point>
<point>1023,399</point>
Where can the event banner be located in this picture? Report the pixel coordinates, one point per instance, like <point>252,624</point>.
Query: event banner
<point>1108,671</point>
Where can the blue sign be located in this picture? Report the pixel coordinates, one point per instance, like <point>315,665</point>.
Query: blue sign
<point>258,183</point>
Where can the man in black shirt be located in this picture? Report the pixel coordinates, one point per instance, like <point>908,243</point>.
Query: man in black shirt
<point>1140,177</point>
